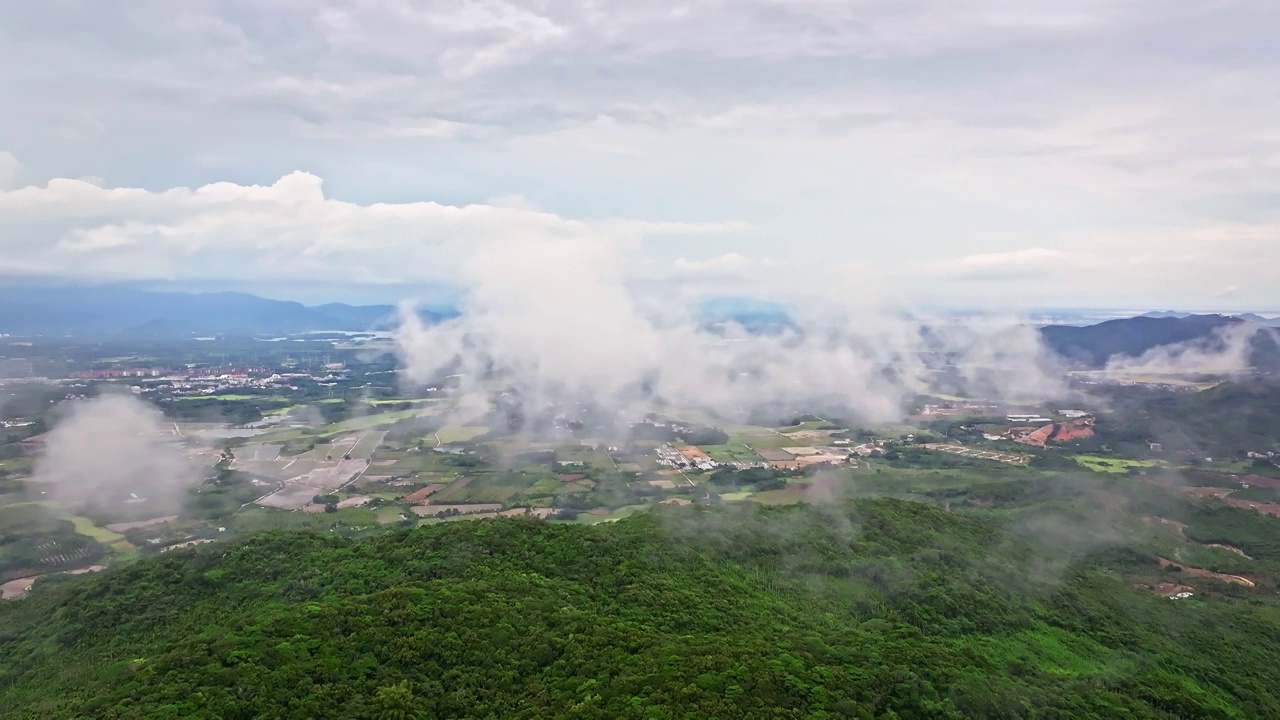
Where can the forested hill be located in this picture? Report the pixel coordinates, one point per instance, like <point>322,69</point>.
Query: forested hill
<point>877,609</point>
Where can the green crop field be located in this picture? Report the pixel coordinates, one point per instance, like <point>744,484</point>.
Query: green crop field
<point>85,527</point>
<point>395,401</point>
<point>460,433</point>
<point>730,453</point>
<point>232,397</point>
<point>1098,463</point>
<point>260,519</point>
<point>486,488</point>
<point>614,516</point>
<point>758,437</point>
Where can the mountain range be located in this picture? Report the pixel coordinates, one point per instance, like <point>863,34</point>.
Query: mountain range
<point>120,311</point>
<point>116,311</point>
<point>1094,345</point>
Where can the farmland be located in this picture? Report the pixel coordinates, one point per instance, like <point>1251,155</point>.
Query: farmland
<point>460,433</point>
<point>731,453</point>
<point>1101,464</point>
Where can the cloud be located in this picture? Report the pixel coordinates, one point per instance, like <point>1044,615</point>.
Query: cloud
<point>1228,350</point>
<point>110,450</point>
<point>895,133</point>
<point>731,264</point>
<point>1015,264</point>
<point>591,339</point>
<point>287,230</point>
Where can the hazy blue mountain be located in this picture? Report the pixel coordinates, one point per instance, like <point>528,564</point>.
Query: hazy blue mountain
<point>1256,318</point>
<point>129,311</point>
<point>1165,314</point>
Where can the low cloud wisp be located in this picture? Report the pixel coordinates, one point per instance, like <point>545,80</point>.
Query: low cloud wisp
<point>555,319</point>
<point>113,450</point>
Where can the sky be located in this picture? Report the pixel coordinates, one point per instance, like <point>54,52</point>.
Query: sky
<point>994,153</point>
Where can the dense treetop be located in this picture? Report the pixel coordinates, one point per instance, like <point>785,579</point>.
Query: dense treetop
<point>873,609</point>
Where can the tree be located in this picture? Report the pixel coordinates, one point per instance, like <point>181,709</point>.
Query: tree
<point>396,702</point>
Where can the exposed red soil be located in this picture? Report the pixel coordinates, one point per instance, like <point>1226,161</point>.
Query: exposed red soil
<point>1039,437</point>
<point>1081,429</point>
<point>420,495</point>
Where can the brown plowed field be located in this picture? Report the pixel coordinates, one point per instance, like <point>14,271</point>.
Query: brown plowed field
<point>420,495</point>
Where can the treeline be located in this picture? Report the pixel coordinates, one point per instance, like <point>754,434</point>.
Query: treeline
<point>875,609</point>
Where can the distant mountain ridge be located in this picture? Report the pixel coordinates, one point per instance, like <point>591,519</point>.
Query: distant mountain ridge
<point>1095,345</point>
<point>102,311</point>
<point>115,311</point>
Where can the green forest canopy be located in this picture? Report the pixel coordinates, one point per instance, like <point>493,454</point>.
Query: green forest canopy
<point>874,609</point>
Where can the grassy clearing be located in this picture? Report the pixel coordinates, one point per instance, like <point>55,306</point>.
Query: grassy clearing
<point>85,527</point>
<point>731,453</point>
<point>124,548</point>
<point>460,433</point>
<point>392,514</point>
<point>765,439</point>
<point>487,488</point>
<point>259,519</point>
<point>394,401</point>
<point>367,444</point>
<point>113,540</point>
<point>616,515</point>
<point>778,497</point>
<point>749,430</point>
<point>807,425</point>
<point>367,422</point>
<point>544,486</point>
<point>371,421</point>
<point>24,464</point>
<point>1098,463</point>
<point>233,397</point>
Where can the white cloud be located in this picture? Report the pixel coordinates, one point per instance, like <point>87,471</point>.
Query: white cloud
<point>287,230</point>
<point>1031,261</point>
<point>896,135</point>
<point>732,264</point>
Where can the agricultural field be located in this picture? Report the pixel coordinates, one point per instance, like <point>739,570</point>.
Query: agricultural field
<point>85,527</point>
<point>254,520</point>
<point>979,453</point>
<point>758,437</point>
<point>1098,463</point>
<point>731,453</point>
<point>460,433</point>
<point>234,398</point>
<point>461,508</point>
<point>486,488</point>
<point>367,443</point>
<point>593,518</point>
<point>372,421</point>
<point>400,401</point>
